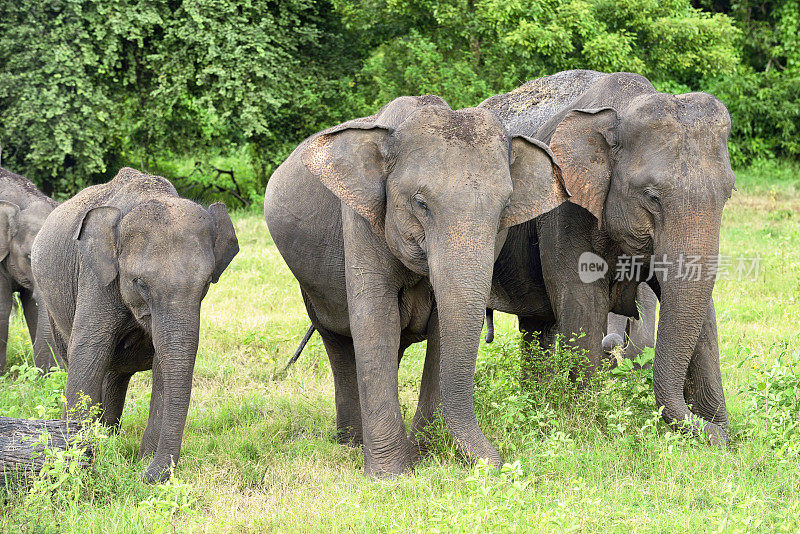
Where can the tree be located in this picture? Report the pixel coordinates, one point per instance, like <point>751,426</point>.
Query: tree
<point>89,85</point>
<point>466,50</point>
<point>763,95</point>
<point>55,113</point>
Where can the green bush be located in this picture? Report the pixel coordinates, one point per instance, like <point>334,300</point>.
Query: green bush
<point>773,403</point>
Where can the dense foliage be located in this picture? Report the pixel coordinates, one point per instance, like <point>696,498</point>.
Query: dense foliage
<point>215,93</point>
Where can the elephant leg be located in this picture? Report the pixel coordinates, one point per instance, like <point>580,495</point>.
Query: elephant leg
<point>373,289</point>
<point>536,334</point>
<point>156,414</point>
<point>115,387</point>
<point>31,311</point>
<point>91,348</point>
<point>6,302</point>
<point>376,343</point>
<point>581,315</point>
<point>43,357</point>
<point>642,331</point>
<point>703,389</point>
<point>345,383</point>
<point>580,308</point>
<point>430,394</point>
<point>616,331</point>
<point>49,344</point>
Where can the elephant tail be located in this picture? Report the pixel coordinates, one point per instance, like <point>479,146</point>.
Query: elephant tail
<point>300,348</point>
<point>489,325</point>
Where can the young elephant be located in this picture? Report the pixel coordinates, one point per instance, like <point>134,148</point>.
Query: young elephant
<point>391,224</point>
<point>23,210</point>
<point>122,269</point>
<point>630,333</point>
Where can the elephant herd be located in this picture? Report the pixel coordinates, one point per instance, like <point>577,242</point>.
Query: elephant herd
<point>405,226</point>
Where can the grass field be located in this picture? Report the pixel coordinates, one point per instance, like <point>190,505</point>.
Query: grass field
<point>259,455</point>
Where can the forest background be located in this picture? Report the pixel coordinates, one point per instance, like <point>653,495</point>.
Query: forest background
<point>214,94</point>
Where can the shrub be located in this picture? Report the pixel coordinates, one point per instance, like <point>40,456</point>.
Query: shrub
<point>772,403</point>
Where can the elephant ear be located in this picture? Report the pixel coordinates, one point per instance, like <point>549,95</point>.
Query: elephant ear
<point>226,246</point>
<point>351,162</point>
<point>582,144</point>
<point>97,237</point>
<point>9,225</point>
<point>536,177</point>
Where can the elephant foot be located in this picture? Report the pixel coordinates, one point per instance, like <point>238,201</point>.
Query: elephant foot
<point>716,434</point>
<point>352,437</point>
<point>156,474</point>
<point>392,467</point>
<point>349,438</point>
<point>612,341</point>
<point>421,443</point>
<point>492,457</point>
<point>387,471</point>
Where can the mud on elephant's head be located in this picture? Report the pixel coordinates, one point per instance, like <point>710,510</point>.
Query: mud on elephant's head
<point>164,252</point>
<point>442,185</point>
<point>654,170</point>
<point>18,228</point>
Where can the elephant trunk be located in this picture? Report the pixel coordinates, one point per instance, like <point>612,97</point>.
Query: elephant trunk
<point>461,275</point>
<point>685,294</point>
<point>175,339</point>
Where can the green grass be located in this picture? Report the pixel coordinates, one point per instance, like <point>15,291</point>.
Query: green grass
<point>259,455</point>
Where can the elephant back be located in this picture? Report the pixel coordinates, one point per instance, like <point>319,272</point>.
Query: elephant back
<point>525,109</point>
<point>21,191</point>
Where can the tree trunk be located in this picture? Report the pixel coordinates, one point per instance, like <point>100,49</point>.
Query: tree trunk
<point>21,446</point>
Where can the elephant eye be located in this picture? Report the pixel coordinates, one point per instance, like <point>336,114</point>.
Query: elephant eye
<point>652,196</point>
<point>420,202</point>
<point>140,286</point>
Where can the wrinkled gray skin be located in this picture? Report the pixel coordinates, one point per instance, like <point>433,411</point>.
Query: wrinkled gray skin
<point>122,269</point>
<point>631,334</point>
<point>391,225</point>
<point>23,210</point>
<point>649,174</point>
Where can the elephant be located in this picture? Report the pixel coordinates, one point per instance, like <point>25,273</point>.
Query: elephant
<point>649,174</point>
<point>122,269</point>
<point>391,224</point>
<point>23,210</point>
<point>629,334</point>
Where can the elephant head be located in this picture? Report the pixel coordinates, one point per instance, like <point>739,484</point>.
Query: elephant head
<point>163,254</point>
<point>656,175</point>
<point>18,228</point>
<point>441,189</point>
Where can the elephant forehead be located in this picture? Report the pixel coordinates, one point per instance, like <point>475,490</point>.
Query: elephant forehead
<point>170,218</point>
<point>474,127</point>
<point>675,115</point>
<point>451,170</point>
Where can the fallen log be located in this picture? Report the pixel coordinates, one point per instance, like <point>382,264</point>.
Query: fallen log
<point>21,444</point>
